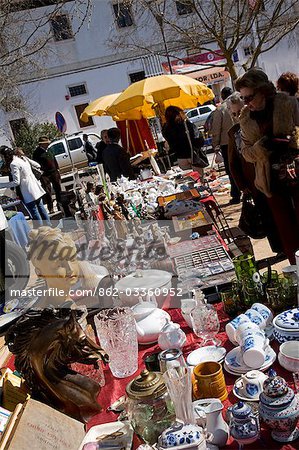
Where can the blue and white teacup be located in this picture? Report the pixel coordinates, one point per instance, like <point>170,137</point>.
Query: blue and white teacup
<point>263,311</point>
<point>253,349</point>
<point>232,326</point>
<point>256,318</point>
<point>244,329</point>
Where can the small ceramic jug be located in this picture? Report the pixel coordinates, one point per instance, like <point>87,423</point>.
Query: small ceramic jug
<point>244,426</point>
<point>171,336</point>
<point>208,411</point>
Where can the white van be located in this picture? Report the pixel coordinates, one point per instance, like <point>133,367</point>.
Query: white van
<point>199,115</point>
<point>74,152</point>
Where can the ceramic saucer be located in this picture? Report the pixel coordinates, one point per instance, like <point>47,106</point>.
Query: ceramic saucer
<point>235,365</point>
<point>208,353</point>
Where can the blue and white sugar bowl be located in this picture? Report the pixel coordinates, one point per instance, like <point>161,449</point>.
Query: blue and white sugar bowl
<point>279,408</point>
<point>244,425</point>
<point>286,326</point>
<point>249,386</point>
<point>184,436</point>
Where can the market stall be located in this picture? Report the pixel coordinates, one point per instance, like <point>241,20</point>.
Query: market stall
<point>130,289</point>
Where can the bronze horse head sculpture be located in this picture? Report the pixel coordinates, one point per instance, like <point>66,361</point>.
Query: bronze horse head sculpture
<point>45,343</point>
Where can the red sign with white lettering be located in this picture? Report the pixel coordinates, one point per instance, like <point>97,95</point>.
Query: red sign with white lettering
<point>185,64</point>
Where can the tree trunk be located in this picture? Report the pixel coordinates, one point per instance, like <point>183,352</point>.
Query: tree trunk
<point>231,67</point>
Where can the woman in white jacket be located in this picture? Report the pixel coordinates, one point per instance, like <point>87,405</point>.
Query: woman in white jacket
<point>31,189</point>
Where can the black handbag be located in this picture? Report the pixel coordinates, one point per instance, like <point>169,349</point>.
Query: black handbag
<point>251,220</point>
<point>198,157</point>
<point>36,172</point>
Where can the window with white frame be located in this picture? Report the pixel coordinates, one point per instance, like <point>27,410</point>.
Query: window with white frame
<point>61,27</point>
<point>123,14</point>
<point>78,89</point>
<point>184,7</point>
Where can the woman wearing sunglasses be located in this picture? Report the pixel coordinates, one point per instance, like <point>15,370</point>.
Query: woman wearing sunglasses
<point>270,140</point>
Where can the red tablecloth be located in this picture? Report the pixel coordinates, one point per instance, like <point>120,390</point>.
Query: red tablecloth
<point>115,388</point>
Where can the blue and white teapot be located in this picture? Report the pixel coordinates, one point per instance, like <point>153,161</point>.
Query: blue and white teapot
<point>244,426</point>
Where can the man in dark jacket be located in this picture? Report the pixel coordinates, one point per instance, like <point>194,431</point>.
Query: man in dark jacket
<point>116,160</point>
<point>101,145</point>
<point>51,175</point>
<point>89,149</point>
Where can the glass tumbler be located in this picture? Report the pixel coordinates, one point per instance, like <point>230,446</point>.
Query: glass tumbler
<point>205,324</point>
<point>231,302</point>
<point>245,267</point>
<point>117,334</point>
<point>171,358</point>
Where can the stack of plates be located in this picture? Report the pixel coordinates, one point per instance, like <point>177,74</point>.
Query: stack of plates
<point>235,365</point>
<point>204,354</point>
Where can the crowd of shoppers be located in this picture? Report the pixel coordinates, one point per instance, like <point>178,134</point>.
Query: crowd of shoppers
<point>256,128</point>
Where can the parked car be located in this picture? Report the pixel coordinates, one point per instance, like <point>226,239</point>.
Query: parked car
<point>199,115</point>
<point>73,152</point>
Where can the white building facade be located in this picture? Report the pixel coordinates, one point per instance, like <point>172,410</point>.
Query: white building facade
<point>82,67</point>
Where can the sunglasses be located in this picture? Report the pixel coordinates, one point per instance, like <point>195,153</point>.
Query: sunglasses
<point>247,98</point>
<point>236,114</point>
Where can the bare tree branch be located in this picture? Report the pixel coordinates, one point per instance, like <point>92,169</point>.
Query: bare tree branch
<point>222,22</point>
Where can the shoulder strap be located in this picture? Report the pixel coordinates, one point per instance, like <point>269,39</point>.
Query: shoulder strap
<point>188,135</point>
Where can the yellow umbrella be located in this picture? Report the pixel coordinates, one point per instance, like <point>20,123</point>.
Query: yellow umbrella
<point>165,90</point>
<point>100,106</point>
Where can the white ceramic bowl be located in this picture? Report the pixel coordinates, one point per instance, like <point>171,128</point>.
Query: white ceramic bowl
<point>288,356</point>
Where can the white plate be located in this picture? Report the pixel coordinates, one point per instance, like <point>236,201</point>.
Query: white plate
<point>208,353</point>
<point>107,429</point>
<point>234,364</point>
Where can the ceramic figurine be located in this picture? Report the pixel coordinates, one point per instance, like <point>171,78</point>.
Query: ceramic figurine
<point>171,336</point>
<point>279,408</point>
<point>244,426</point>
<point>208,411</point>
